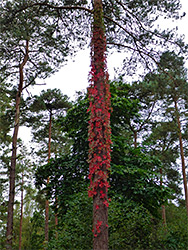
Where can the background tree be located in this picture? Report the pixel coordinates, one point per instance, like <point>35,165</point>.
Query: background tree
<point>148,105</point>
<point>162,142</point>
<point>6,110</point>
<point>43,110</point>
<point>23,50</point>
<point>24,178</point>
<point>171,83</point>
<point>47,104</point>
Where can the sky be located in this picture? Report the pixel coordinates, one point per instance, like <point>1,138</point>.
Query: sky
<point>74,75</point>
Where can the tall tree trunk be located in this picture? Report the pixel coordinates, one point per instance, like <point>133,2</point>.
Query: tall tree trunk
<point>99,131</point>
<point>9,230</point>
<point>47,202</point>
<point>163,206</point>
<point>182,154</point>
<point>21,214</point>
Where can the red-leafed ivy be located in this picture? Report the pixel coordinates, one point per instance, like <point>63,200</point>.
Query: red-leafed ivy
<point>99,124</point>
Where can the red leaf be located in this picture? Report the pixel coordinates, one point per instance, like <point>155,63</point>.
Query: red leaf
<point>106,203</point>
<point>97,207</point>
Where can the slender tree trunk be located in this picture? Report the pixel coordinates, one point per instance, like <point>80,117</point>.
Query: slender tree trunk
<point>99,131</point>
<point>163,206</point>
<point>56,210</point>
<point>21,214</point>
<point>56,218</point>
<point>47,217</point>
<point>9,231</point>
<point>182,155</point>
<point>48,179</point>
<point>135,138</point>
<point>164,215</point>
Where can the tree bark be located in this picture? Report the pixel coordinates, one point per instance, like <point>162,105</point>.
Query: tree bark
<point>99,131</point>
<point>9,230</point>
<point>182,154</point>
<point>21,214</point>
<point>48,179</point>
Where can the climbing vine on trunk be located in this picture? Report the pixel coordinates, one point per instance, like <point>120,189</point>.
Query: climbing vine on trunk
<point>99,130</point>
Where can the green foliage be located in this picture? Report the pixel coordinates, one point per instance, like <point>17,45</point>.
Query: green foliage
<point>6,111</point>
<point>37,231</point>
<point>66,179</point>
<point>75,124</point>
<point>33,230</point>
<point>162,143</point>
<point>130,225</point>
<point>6,120</point>
<point>134,175</point>
<point>175,236</point>
<point>170,81</point>
<point>169,78</point>
<point>75,229</point>
<point>135,181</point>
<point>49,100</point>
<point>124,106</point>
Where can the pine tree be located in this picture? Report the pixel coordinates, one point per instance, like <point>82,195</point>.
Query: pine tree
<point>171,83</point>
<point>46,106</point>
<point>23,58</point>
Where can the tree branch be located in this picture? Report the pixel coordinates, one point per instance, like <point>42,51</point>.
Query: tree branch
<point>53,7</point>
<point>26,55</point>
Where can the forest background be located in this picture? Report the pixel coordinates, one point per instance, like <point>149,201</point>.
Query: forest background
<point>147,208</point>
